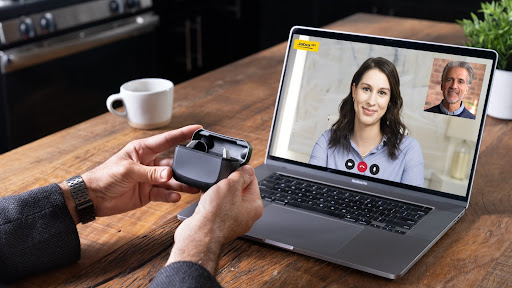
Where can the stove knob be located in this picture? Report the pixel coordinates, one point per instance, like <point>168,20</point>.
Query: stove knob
<point>47,23</point>
<point>27,28</point>
<point>130,4</point>
<point>116,6</point>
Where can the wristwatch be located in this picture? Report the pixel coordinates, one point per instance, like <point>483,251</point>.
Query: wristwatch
<point>84,205</point>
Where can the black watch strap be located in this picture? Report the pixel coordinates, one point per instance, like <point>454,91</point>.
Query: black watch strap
<point>84,205</point>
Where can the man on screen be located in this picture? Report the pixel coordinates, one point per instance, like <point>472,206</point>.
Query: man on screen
<point>455,82</point>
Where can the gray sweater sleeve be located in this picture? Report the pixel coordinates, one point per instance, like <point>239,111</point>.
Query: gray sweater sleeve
<point>37,233</point>
<point>184,275</point>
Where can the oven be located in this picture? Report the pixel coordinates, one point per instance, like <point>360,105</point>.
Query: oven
<point>60,60</point>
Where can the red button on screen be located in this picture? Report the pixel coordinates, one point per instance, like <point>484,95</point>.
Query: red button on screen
<point>362,166</point>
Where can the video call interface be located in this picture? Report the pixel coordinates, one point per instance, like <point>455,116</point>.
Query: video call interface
<point>439,144</point>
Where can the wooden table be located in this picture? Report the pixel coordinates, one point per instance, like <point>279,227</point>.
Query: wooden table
<point>238,100</point>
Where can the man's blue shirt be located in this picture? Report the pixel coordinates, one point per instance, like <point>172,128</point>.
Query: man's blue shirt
<point>461,112</point>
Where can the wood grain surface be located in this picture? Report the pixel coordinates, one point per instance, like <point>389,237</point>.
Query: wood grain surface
<point>238,100</point>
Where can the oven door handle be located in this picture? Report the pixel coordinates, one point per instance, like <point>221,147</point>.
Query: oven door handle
<point>36,53</point>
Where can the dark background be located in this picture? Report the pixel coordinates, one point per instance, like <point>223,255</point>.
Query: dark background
<point>222,31</point>
<point>194,37</point>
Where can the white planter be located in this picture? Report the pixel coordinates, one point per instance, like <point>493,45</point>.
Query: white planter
<point>500,103</point>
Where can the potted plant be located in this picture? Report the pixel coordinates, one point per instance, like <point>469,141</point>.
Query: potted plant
<point>494,31</point>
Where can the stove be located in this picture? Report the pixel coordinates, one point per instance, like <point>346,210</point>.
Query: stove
<point>25,20</point>
<point>57,54</point>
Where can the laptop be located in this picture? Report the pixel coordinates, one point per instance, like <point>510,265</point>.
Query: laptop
<point>379,213</point>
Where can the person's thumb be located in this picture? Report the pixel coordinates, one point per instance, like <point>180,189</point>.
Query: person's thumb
<point>151,174</point>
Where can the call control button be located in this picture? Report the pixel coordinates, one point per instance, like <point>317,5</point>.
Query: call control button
<point>350,164</point>
<point>374,169</point>
<point>362,166</point>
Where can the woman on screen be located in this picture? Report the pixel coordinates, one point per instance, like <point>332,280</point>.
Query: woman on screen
<point>368,137</point>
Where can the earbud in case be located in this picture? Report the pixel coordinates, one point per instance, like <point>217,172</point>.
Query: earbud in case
<point>209,158</point>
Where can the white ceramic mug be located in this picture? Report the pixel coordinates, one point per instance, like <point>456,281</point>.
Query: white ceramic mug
<point>147,102</point>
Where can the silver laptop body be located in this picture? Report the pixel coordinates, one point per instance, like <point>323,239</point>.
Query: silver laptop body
<point>317,75</point>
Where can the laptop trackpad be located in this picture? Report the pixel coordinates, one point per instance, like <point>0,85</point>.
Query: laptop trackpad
<point>302,230</point>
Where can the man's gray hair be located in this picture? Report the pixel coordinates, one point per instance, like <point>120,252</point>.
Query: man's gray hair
<point>460,64</point>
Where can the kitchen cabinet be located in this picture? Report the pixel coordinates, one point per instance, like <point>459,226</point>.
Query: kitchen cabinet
<point>199,35</point>
<point>196,36</point>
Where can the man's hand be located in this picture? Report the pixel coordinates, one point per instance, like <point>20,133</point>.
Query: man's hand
<point>226,211</point>
<point>135,176</point>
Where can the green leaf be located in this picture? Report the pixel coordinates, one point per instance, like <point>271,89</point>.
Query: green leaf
<point>492,31</point>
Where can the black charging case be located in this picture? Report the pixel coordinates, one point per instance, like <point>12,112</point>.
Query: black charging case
<point>209,158</point>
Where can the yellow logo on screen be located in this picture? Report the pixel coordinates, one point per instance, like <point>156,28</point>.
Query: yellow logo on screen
<point>306,45</point>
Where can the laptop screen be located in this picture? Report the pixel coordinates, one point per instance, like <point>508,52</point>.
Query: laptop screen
<point>399,112</point>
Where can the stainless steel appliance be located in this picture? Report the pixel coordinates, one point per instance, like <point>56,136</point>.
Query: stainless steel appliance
<point>60,60</point>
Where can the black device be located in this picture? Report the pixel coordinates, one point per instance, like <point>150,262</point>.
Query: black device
<point>209,158</point>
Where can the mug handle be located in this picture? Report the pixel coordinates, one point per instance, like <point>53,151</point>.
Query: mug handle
<point>110,100</point>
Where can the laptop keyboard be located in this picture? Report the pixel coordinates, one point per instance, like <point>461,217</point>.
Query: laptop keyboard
<point>355,207</point>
